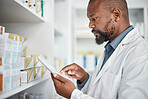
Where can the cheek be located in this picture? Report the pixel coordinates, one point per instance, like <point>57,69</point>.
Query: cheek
<point>100,26</point>
<point>100,23</point>
<point>110,27</point>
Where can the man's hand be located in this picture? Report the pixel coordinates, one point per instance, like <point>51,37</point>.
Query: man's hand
<point>63,86</point>
<point>75,71</point>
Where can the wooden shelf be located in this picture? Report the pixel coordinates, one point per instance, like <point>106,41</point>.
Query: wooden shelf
<point>14,11</point>
<point>4,95</point>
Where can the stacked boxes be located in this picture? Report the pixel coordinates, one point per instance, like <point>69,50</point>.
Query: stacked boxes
<point>27,75</point>
<point>10,53</point>
<point>5,62</point>
<point>35,5</point>
<point>30,66</point>
<point>27,63</point>
<point>33,69</point>
<point>15,66</point>
<point>15,59</point>
<point>24,47</point>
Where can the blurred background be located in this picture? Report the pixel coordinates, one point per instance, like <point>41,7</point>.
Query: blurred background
<point>73,39</point>
<point>56,29</point>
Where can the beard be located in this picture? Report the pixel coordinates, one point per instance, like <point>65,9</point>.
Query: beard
<point>102,38</point>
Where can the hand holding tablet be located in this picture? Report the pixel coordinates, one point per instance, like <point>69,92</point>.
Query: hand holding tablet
<point>49,66</point>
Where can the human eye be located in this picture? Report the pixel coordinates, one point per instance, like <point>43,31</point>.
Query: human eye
<point>94,19</point>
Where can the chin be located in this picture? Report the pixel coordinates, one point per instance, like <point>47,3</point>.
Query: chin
<point>99,42</point>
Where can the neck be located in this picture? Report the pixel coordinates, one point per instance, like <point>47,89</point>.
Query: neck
<point>122,28</point>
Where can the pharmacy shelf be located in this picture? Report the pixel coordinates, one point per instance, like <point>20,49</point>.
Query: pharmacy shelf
<point>4,95</point>
<point>14,11</point>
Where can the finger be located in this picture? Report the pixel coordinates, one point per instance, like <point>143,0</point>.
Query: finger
<point>69,67</point>
<point>74,77</point>
<point>74,72</point>
<point>54,79</point>
<point>70,76</point>
<point>60,78</point>
<point>66,73</point>
<point>57,83</point>
<point>52,76</point>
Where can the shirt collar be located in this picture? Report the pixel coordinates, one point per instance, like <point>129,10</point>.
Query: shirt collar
<point>117,40</point>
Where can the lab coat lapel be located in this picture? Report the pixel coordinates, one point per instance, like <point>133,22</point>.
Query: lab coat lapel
<point>122,46</point>
<point>100,61</point>
<point>109,62</point>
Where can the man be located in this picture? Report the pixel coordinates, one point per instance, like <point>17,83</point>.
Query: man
<point>122,71</point>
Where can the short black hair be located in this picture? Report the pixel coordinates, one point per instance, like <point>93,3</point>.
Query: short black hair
<point>110,5</point>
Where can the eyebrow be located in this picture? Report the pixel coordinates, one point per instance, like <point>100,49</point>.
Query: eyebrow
<point>91,15</point>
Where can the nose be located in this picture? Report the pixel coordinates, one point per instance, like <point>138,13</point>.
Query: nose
<point>91,25</point>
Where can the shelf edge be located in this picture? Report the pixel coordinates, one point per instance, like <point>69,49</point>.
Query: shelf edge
<point>22,87</point>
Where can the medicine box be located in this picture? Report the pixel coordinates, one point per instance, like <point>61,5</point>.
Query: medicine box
<point>26,2</point>
<point>2,30</point>
<point>15,78</point>
<point>27,76</point>
<point>5,80</point>
<point>37,63</point>
<point>5,45</point>
<point>37,72</point>
<point>43,71</point>
<point>38,7</point>
<point>27,63</point>
<point>32,5</point>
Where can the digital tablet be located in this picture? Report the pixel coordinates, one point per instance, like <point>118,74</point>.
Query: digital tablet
<point>47,64</point>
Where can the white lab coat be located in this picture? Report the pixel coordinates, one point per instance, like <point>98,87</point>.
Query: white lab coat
<point>123,76</point>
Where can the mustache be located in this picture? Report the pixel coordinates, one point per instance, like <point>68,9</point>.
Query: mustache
<point>103,35</point>
<point>94,31</point>
<point>97,31</point>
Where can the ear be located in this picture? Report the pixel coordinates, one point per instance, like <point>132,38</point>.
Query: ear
<point>116,14</point>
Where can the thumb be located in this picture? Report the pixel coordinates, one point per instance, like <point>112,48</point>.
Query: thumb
<point>59,77</point>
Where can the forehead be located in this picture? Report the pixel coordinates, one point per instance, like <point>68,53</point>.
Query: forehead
<point>94,8</point>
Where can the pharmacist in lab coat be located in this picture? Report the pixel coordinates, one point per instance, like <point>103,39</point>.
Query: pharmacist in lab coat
<point>122,70</point>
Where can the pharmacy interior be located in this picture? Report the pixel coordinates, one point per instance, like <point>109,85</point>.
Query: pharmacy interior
<point>59,31</point>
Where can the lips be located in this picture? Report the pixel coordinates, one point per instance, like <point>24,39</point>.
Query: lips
<point>96,34</point>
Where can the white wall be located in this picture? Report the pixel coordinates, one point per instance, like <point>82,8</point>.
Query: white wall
<point>63,44</point>
<point>132,3</point>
